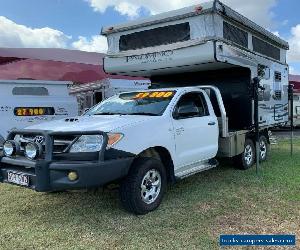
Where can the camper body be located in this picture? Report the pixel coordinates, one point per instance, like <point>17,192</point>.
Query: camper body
<point>27,102</point>
<point>206,44</point>
<point>201,105</point>
<point>90,94</point>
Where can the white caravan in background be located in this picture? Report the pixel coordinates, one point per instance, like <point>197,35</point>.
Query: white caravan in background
<point>28,102</point>
<point>90,94</point>
<point>296,109</point>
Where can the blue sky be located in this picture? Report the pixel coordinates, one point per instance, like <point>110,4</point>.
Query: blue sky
<point>77,23</point>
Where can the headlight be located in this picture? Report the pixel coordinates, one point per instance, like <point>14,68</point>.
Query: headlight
<point>33,150</point>
<point>10,148</point>
<point>87,143</point>
<point>93,143</point>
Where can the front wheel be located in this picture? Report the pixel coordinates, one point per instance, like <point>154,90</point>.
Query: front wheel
<point>142,190</point>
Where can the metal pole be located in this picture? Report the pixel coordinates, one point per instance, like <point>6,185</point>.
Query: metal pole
<point>291,106</point>
<point>256,121</point>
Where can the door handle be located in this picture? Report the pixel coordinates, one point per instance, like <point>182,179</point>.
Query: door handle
<point>211,124</point>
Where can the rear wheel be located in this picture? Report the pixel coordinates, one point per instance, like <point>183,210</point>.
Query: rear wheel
<point>246,160</point>
<point>142,190</point>
<point>264,148</point>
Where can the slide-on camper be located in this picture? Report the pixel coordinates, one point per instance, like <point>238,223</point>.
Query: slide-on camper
<point>218,82</point>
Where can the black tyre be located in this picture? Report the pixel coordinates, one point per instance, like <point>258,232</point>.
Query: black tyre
<point>264,147</point>
<point>246,160</point>
<point>2,140</point>
<point>143,189</point>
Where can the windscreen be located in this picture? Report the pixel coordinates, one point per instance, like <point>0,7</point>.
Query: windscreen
<point>152,103</point>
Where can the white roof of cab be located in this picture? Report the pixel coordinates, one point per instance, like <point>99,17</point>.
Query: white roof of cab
<point>212,6</point>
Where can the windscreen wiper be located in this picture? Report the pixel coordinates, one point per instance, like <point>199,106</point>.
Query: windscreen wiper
<point>144,113</point>
<point>108,113</point>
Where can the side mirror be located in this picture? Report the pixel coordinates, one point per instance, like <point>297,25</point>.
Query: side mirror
<point>85,111</point>
<point>185,111</point>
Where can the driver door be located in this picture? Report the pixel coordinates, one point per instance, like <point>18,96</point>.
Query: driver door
<point>196,130</point>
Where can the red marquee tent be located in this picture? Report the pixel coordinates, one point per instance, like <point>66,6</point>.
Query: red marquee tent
<point>52,64</point>
<point>295,80</point>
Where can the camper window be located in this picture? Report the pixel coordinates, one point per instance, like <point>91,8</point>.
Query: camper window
<point>155,37</point>
<point>235,35</point>
<point>35,91</point>
<point>265,48</point>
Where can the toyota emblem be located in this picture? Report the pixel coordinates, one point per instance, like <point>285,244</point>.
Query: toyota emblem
<point>39,139</point>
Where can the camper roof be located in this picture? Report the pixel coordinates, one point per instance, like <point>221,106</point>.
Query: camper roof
<point>39,82</point>
<point>213,6</point>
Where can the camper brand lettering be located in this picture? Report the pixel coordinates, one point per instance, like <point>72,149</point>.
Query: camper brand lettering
<point>151,57</point>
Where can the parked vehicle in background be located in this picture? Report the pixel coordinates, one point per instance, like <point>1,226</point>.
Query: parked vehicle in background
<point>28,102</point>
<point>296,109</point>
<point>90,94</point>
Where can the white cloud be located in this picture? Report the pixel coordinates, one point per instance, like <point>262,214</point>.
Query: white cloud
<point>294,41</point>
<point>95,44</point>
<point>15,35</point>
<point>128,9</point>
<point>294,71</point>
<point>257,10</point>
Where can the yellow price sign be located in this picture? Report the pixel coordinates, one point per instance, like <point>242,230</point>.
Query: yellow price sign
<point>34,111</point>
<point>157,94</point>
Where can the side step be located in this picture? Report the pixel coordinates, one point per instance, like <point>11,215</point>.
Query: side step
<point>194,169</point>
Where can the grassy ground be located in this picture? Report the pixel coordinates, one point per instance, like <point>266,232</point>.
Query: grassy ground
<point>193,215</point>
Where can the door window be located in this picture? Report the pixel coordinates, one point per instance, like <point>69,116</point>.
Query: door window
<point>191,105</point>
<point>98,97</point>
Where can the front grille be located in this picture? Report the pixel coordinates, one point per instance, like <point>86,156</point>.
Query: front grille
<point>61,142</point>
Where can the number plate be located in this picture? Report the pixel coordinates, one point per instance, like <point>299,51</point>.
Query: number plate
<point>18,178</point>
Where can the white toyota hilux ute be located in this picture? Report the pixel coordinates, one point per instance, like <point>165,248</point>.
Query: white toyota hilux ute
<point>140,139</point>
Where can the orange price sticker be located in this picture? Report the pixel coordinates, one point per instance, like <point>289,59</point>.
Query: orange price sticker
<point>160,94</point>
